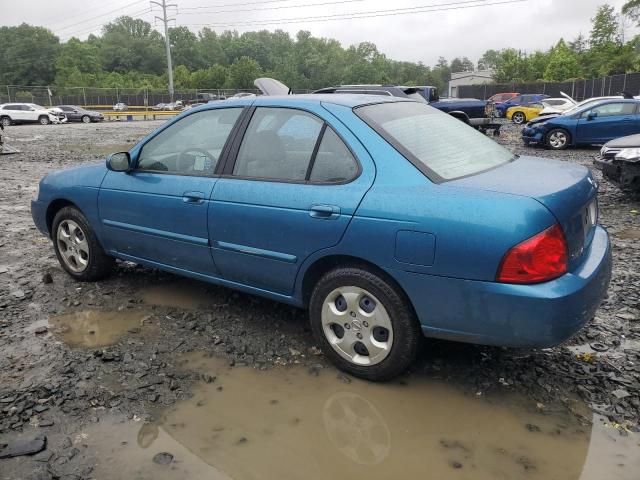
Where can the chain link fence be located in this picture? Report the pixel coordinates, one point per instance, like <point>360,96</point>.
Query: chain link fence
<point>578,89</point>
<point>104,97</point>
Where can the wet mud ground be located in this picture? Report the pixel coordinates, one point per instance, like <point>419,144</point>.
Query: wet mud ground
<point>150,376</point>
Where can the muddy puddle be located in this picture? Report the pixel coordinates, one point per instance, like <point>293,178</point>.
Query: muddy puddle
<point>286,423</point>
<point>97,328</point>
<point>184,294</point>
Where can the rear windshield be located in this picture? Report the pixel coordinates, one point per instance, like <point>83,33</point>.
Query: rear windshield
<point>439,145</point>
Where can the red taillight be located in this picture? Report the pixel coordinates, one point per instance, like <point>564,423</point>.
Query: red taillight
<point>541,258</point>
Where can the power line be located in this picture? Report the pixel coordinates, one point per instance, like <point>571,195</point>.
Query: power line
<point>370,14</point>
<point>235,4</point>
<point>101,15</point>
<point>338,2</point>
<point>90,29</point>
<point>103,4</point>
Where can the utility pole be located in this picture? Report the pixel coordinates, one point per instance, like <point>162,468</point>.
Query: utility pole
<point>164,5</point>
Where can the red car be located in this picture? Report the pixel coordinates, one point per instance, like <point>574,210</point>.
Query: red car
<point>502,97</point>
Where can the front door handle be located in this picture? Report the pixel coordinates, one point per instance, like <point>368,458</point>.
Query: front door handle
<point>324,212</point>
<point>193,197</point>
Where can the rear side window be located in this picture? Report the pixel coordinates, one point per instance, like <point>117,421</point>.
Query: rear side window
<point>334,162</point>
<point>439,145</point>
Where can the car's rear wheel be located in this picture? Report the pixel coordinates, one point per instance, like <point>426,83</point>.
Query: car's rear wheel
<point>44,120</point>
<point>5,121</point>
<point>86,119</point>
<point>519,118</point>
<point>558,139</point>
<point>364,323</point>
<point>77,247</point>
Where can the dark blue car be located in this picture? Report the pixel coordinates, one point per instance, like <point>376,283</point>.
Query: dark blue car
<point>592,124</point>
<point>527,99</point>
<point>385,217</point>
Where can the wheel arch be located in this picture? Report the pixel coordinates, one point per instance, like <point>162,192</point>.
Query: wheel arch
<point>462,116</point>
<point>54,207</point>
<point>319,267</point>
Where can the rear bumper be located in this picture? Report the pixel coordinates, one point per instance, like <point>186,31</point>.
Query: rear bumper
<point>491,313</point>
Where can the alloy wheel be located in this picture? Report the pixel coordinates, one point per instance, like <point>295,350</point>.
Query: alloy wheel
<point>73,246</point>
<point>357,325</point>
<point>558,139</point>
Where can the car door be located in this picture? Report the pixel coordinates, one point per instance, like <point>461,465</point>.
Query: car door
<point>608,121</point>
<point>13,111</point>
<point>158,211</point>
<point>30,113</point>
<point>290,189</point>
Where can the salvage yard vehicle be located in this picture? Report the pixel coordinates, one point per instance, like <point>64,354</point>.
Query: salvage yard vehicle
<point>591,124</point>
<point>619,161</point>
<point>522,114</point>
<point>502,97</point>
<point>500,109</point>
<point>14,113</point>
<point>79,114</point>
<point>386,218</point>
<point>120,107</point>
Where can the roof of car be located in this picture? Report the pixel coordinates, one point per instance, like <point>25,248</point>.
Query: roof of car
<point>343,99</point>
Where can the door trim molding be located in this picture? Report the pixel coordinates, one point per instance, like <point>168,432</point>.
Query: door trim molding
<point>259,252</point>
<point>158,233</point>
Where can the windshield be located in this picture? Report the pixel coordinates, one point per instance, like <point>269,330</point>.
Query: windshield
<point>438,144</point>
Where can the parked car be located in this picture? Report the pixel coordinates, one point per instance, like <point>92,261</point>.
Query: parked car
<point>79,114</point>
<point>13,113</point>
<point>159,106</point>
<point>360,208</point>
<point>120,107</point>
<point>469,110</point>
<point>242,95</point>
<point>193,105</point>
<point>593,124</point>
<point>502,97</point>
<point>522,114</point>
<point>619,161</point>
<point>500,109</point>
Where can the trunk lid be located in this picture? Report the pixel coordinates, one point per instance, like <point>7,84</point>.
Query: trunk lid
<point>567,190</point>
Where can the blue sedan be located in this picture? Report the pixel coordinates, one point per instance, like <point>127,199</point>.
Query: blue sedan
<point>592,124</point>
<point>386,218</point>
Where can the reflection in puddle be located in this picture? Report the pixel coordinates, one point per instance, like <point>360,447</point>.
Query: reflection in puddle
<point>287,424</point>
<point>183,294</point>
<point>96,328</point>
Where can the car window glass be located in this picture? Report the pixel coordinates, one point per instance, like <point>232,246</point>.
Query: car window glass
<point>334,162</point>
<point>192,146</point>
<point>613,109</point>
<point>278,144</point>
<point>11,107</point>
<point>536,105</point>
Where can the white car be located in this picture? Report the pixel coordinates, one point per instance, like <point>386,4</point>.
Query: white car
<point>556,105</point>
<point>120,107</point>
<point>11,113</point>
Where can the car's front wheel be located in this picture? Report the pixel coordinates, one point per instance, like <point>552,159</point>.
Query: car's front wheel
<point>518,118</point>
<point>86,119</point>
<point>77,247</point>
<point>557,139</point>
<point>44,120</point>
<point>364,323</point>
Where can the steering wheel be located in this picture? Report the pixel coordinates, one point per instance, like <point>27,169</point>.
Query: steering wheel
<point>186,162</point>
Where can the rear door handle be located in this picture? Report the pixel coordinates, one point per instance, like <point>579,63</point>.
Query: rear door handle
<point>324,212</point>
<point>193,197</point>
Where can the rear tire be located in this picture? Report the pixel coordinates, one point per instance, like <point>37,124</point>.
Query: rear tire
<point>6,121</point>
<point>86,119</point>
<point>518,118</point>
<point>44,120</point>
<point>77,247</point>
<point>364,323</point>
<point>558,139</point>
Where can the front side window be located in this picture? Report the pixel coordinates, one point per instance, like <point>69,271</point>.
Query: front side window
<point>191,146</point>
<point>278,144</point>
<point>439,145</point>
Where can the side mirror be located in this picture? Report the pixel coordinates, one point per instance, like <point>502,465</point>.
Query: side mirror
<point>592,115</point>
<point>119,162</point>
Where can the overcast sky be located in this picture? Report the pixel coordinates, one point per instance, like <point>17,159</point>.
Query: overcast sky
<point>465,31</point>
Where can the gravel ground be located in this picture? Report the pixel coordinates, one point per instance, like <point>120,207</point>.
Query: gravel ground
<point>52,388</point>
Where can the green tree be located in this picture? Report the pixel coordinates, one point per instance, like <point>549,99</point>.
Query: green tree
<point>461,65</point>
<point>489,60</point>
<point>213,77</point>
<point>27,55</point>
<point>210,48</point>
<point>184,48</point>
<point>632,9</point>
<point>604,29</point>
<point>243,72</point>
<point>562,65</point>
<point>131,44</point>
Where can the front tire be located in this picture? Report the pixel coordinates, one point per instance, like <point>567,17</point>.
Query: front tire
<point>44,120</point>
<point>86,119</point>
<point>364,324</point>
<point>518,118</point>
<point>558,139</point>
<point>77,247</point>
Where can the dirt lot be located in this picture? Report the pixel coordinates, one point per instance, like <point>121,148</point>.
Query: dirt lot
<point>148,375</point>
